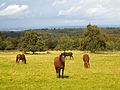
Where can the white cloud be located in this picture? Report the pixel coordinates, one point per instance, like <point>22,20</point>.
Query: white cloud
<point>71,10</point>
<point>13,10</point>
<point>95,9</point>
<point>3,4</point>
<point>57,2</point>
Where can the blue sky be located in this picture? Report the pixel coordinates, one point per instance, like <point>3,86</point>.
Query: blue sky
<point>38,13</point>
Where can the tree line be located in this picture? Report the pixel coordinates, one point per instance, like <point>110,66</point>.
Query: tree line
<point>91,38</point>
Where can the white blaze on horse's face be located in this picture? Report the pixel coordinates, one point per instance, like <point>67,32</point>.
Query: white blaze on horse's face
<point>63,58</point>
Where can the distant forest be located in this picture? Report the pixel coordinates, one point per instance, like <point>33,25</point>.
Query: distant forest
<point>56,39</point>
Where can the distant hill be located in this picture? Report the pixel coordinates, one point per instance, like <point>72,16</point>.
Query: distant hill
<point>55,27</point>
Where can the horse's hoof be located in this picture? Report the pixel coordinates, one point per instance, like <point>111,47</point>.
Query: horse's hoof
<point>58,77</point>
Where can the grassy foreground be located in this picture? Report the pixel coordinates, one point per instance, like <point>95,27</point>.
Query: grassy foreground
<point>39,72</point>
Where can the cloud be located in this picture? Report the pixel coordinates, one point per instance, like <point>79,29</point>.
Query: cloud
<point>3,4</point>
<point>13,10</point>
<point>69,11</point>
<point>95,9</point>
<point>57,2</point>
<point>71,8</point>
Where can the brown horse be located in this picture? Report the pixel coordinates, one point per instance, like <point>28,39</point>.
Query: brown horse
<point>86,60</point>
<point>20,57</point>
<point>59,63</point>
<point>68,54</point>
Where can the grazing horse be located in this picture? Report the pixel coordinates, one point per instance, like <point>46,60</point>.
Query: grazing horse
<point>59,63</point>
<point>86,60</point>
<point>68,54</point>
<point>20,57</point>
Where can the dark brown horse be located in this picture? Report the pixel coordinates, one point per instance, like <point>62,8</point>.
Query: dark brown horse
<point>20,57</point>
<point>59,63</point>
<point>86,60</point>
<point>70,54</point>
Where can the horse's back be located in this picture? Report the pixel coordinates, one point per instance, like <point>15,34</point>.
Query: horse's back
<point>23,56</point>
<point>67,53</point>
<point>20,56</point>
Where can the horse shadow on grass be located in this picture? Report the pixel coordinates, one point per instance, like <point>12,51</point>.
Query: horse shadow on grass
<point>64,77</point>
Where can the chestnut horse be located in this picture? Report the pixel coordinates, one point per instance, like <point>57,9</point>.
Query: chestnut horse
<point>86,60</point>
<point>20,57</point>
<point>59,63</point>
<point>68,54</point>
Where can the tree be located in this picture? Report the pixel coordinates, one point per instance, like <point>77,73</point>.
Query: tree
<point>64,43</point>
<point>10,43</point>
<point>40,44</point>
<point>117,45</point>
<point>2,44</point>
<point>29,42</point>
<point>93,39</point>
<point>51,43</point>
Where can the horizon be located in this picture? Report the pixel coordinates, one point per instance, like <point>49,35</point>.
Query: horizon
<point>56,27</point>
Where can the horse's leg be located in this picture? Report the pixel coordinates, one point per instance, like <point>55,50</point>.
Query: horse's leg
<point>59,72</point>
<point>72,57</point>
<point>62,72</point>
<point>85,64</point>
<point>88,65</point>
<point>18,60</point>
<point>22,61</point>
<point>25,61</point>
<point>65,57</point>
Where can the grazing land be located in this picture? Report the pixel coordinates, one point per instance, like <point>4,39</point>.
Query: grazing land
<point>39,72</point>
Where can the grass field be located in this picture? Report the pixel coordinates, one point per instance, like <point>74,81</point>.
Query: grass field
<point>39,72</point>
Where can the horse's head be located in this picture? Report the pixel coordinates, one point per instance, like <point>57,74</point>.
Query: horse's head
<point>62,57</point>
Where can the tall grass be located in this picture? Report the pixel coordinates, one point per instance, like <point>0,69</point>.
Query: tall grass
<point>39,72</point>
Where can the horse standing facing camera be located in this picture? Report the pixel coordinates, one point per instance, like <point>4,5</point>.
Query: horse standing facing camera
<point>20,57</point>
<point>86,60</point>
<point>59,63</point>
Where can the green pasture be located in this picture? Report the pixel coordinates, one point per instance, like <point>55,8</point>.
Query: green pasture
<point>39,72</point>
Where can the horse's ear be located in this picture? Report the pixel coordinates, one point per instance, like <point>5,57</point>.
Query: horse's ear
<point>61,54</point>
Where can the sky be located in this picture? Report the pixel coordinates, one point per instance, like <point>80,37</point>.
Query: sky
<point>39,13</point>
